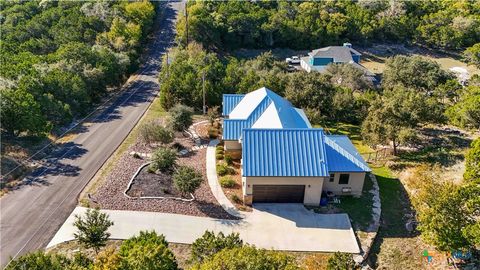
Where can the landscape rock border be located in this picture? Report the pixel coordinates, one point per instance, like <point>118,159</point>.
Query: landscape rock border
<point>373,226</point>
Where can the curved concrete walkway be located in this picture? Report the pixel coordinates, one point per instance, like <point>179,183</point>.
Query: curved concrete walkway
<point>215,185</point>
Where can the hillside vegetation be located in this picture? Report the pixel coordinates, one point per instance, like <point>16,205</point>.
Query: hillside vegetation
<point>229,25</point>
<point>59,58</point>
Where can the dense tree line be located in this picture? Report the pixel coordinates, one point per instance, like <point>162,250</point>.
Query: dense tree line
<point>59,57</point>
<point>228,25</point>
<point>151,251</point>
<point>335,96</point>
<point>414,91</point>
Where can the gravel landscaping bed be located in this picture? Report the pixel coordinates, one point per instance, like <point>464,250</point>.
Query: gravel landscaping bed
<point>147,184</point>
<point>110,195</point>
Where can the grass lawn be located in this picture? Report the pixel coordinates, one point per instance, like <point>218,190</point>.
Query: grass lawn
<point>359,209</point>
<point>394,247</point>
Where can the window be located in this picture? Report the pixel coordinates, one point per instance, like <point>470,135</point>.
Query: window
<point>344,179</point>
<point>332,177</point>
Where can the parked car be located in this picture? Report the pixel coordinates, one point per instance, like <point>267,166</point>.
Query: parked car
<point>295,60</point>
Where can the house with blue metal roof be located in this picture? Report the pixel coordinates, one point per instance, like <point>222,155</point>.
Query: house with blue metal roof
<point>284,159</point>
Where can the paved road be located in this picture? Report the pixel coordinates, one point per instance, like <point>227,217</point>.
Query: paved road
<point>30,216</point>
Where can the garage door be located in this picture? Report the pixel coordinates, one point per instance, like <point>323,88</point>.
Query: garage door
<point>278,193</point>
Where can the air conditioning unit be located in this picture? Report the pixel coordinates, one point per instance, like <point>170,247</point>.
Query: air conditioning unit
<point>346,190</point>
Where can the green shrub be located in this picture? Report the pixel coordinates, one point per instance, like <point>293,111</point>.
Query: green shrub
<point>147,251</point>
<point>219,151</point>
<point>151,132</point>
<point>236,199</point>
<point>219,156</point>
<point>341,260</point>
<point>228,159</point>
<point>220,147</point>
<point>40,260</point>
<point>163,159</point>
<point>187,179</point>
<point>181,117</point>
<point>224,169</point>
<point>227,182</point>
<point>209,244</point>
<point>248,257</point>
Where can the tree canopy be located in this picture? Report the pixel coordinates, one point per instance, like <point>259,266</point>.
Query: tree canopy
<point>59,57</point>
<point>229,25</point>
<point>248,257</point>
<point>472,162</point>
<point>414,73</point>
<point>393,117</point>
<point>466,111</point>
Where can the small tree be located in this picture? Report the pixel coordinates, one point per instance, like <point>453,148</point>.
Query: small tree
<point>92,230</point>
<point>147,251</point>
<point>210,244</point>
<point>163,159</point>
<point>181,117</point>
<point>440,212</point>
<point>341,261</point>
<point>187,179</point>
<point>213,114</point>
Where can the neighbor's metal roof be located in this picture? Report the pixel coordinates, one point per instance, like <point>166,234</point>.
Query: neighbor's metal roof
<point>229,102</point>
<point>284,152</point>
<point>340,54</point>
<point>342,156</point>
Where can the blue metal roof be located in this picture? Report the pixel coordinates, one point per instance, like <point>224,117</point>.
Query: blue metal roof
<point>229,102</point>
<point>232,128</point>
<point>288,116</point>
<point>284,152</point>
<point>342,155</point>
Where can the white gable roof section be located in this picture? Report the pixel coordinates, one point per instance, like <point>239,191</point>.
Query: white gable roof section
<point>248,104</point>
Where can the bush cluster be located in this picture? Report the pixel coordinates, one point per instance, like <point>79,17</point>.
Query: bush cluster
<point>152,132</point>
<point>224,169</point>
<point>187,179</point>
<point>227,182</point>
<point>163,159</point>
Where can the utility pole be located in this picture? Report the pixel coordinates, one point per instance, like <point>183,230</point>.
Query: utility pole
<point>186,20</point>
<point>203,86</point>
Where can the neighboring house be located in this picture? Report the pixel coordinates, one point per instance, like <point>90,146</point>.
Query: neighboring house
<point>318,60</point>
<point>284,159</point>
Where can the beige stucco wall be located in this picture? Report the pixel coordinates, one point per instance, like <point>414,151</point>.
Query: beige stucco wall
<point>355,182</point>
<point>232,145</point>
<point>312,193</point>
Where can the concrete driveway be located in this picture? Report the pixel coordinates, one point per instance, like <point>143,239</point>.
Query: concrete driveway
<point>273,226</point>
